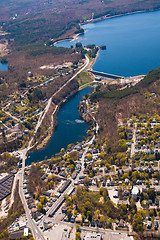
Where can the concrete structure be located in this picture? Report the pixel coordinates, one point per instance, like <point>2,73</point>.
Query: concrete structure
<point>108,75</point>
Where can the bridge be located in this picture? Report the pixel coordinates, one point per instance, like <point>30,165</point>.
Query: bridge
<point>108,75</point>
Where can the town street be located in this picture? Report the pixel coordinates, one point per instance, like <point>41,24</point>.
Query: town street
<point>37,233</point>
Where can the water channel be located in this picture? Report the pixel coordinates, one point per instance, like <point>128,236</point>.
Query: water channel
<point>70,129</point>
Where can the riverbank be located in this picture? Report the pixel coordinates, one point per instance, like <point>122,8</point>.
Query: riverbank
<point>45,139</point>
<point>70,129</point>
<point>53,124</point>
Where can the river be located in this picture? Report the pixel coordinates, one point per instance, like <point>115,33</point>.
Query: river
<point>70,129</point>
<point>133,43</point>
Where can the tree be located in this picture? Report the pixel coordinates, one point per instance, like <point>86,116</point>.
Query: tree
<point>102,155</point>
<point>145,203</point>
<point>102,219</point>
<point>69,213</point>
<point>78,228</point>
<point>62,150</point>
<point>147,182</point>
<point>152,194</point>
<point>79,45</point>
<point>89,156</point>
<point>78,236</point>
<point>138,223</point>
<point>72,167</point>
<point>24,237</point>
<point>39,206</point>
<point>89,215</point>
<point>97,214</point>
<point>142,142</point>
<point>86,181</point>
<point>123,208</point>
<point>43,200</point>
<point>109,222</point>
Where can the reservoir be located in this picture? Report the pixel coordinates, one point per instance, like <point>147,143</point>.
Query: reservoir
<point>133,47</point>
<point>132,41</point>
<point>70,129</point>
<point>3,66</point>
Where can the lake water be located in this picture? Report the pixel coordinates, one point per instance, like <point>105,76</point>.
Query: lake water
<point>133,43</point>
<point>3,67</point>
<point>70,129</point>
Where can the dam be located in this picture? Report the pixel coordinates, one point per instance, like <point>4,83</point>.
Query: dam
<point>107,75</point>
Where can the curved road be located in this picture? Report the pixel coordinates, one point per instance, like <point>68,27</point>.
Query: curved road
<point>37,233</point>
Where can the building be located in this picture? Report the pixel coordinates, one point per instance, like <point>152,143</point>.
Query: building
<point>6,186</point>
<point>98,79</point>
<point>93,235</point>
<point>121,223</point>
<point>30,74</point>
<point>19,234</point>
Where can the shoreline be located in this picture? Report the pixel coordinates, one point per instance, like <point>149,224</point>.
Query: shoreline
<point>75,36</point>
<point>72,38</point>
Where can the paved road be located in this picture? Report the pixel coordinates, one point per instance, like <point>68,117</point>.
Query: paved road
<point>56,206</point>
<point>37,234</point>
<point>18,120</point>
<point>134,141</point>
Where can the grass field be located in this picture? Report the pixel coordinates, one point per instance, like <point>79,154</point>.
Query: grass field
<point>83,78</point>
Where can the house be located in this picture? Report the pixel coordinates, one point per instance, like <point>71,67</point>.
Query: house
<point>98,79</point>
<point>156,224</point>
<point>93,223</point>
<point>149,224</point>
<point>135,192</point>
<point>6,186</point>
<point>121,223</point>
<point>78,219</point>
<point>64,209</point>
<point>115,194</point>
<point>66,219</point>
<point>120,202</point>
<point>150,202</point>
<point>108,182</point>
<point>156,201</point>
<point>72,219</point>
<point>126,181</point>
<point>46,193</point>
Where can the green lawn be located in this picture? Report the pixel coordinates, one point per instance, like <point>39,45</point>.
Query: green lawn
<point>83,78</point>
